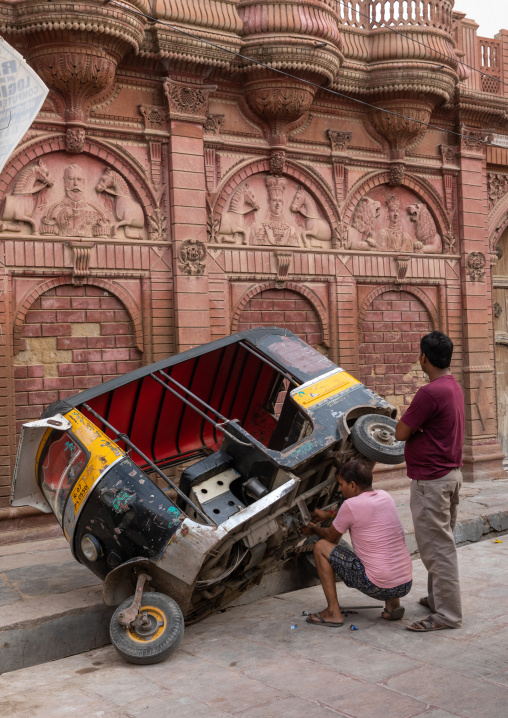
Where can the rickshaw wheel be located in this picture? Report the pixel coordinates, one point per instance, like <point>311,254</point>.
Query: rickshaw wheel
<point>373,436</point>
<point>156,633</point>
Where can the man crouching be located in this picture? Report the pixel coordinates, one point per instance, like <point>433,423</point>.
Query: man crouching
<point>382,566</point>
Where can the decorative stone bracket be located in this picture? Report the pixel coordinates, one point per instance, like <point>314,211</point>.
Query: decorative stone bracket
<point>283,260</point>
<point>80,261</point>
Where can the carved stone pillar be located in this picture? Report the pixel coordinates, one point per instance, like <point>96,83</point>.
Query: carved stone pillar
<point>339,142</point>
<point>482,452</point>
<point>188,105</point>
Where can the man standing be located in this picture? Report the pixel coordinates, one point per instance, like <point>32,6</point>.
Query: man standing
<point>433,429</point>
<point>382,566</point>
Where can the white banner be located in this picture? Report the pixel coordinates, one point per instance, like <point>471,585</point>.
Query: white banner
<point>499,140</point>
<point>22,93</point>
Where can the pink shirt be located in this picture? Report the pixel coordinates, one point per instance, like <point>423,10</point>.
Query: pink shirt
<point>377,537</point>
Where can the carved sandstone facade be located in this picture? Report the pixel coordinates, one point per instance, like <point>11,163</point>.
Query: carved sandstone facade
<point>175,188</point>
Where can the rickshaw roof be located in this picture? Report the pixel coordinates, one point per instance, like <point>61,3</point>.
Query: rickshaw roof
<point>231,376</point>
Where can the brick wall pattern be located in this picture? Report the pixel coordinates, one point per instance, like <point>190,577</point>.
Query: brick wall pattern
<point>390,346</point>
<point>73,338</point>
<point>283,308</point>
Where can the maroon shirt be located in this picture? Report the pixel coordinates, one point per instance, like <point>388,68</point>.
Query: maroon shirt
<point>437,409</point>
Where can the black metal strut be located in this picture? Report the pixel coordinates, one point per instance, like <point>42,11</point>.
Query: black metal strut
<point>123,437</point>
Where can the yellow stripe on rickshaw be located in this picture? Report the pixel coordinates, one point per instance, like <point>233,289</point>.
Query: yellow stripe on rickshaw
<point>324,389</point>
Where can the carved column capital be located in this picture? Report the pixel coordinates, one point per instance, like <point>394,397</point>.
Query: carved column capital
<point>187,101</point>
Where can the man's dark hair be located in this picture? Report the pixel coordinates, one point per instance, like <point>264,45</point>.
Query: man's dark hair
<point>357,471</point>
<point>438,348</point>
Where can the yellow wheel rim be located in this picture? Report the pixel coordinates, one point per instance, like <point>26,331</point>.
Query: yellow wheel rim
<point>151,623</point>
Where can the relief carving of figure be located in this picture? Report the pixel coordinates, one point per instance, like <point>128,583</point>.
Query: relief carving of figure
<point>275,230</point>
<point>393,238</point>
<point>361,234</point>
<point>27,195</point>
<point>128,213</point>
<point>427,238</point>
<point>315,230</point>
<point>73,216</point>
<point>235,222</point>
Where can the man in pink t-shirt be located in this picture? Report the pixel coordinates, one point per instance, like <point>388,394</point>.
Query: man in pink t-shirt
<point>381,566</point>
<point>433,429</point>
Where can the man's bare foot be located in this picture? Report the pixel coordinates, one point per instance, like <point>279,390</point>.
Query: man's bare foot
<point>393,610</point>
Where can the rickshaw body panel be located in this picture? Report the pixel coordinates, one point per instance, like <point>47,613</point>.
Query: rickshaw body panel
<point>199,551</point>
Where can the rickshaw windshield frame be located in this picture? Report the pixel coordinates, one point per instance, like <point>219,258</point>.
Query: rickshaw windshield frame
<point>55,499</point>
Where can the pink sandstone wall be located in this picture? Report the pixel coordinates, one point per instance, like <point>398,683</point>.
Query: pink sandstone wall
<point>148,210</point>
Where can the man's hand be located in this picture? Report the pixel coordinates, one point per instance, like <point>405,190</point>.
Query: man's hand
<point>309,529</point>
<point>320,515</point>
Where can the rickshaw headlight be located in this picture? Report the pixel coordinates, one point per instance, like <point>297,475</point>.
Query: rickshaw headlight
<point>91,547</point>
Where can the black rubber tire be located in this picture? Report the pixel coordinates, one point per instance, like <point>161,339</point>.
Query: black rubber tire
<point>311,563</point>
<point>149,650</point>
<point>373,436</point>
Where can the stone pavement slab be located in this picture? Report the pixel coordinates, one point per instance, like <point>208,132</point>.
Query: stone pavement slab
<point>51,606</point>
<point>248,661</point>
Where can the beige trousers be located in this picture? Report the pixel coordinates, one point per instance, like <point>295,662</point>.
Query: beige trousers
<point>434,506</point>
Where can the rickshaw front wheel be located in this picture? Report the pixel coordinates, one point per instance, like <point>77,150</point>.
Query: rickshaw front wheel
<point>154,635</point>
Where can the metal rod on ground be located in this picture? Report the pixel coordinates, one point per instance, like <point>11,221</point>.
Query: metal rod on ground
<point>126,440</point>
<point>201,413</point>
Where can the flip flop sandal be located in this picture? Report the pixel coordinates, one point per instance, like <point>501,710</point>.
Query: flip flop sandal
<point>394,615</point>
<point>321,621</point>
<point>427,625</point>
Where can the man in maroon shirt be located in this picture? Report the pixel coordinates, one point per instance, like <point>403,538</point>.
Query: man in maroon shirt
<point>433,429</point>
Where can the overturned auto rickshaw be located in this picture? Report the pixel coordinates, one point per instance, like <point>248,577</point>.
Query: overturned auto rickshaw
<point>256,420</point>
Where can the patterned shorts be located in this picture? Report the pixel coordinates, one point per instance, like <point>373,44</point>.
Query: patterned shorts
<point>352,571</point>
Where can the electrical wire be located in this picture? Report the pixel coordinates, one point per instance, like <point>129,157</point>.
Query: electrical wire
<point>156,21</point>
<point>423,44</point>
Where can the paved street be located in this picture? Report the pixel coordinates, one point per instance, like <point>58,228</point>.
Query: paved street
<point>250,662</point>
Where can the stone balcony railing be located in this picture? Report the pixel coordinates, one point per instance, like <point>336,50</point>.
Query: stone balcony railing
<point>373,14</point>
<point>490,53</point>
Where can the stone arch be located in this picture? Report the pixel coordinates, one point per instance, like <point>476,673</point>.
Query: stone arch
<point>312,298</point>
<point>303,175</point>
<point>429,306</point>
<point>109,286</point>
<point>498,222</point>
<point>392,321</point>
<point>419,186</point>
<point>112,157</point>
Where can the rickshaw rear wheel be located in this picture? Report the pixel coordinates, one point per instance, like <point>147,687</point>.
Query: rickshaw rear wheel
<point>373,436</point>
<point>156,633</point>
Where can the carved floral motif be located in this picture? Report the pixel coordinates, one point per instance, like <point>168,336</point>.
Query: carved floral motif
<point>473,139</point>
<point>498,310</point>
<point>192,255</point>
<point>153,117</point>
<point>498,187</point>
<point>157,225</point>
<point>476,266</point>
<point>448,154</point>
<point>213,124</point>
<point>75,139</point>
<point>339,141</point>
<point>397,174</point>
<point>449,242</point>
<point>277,162</point>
